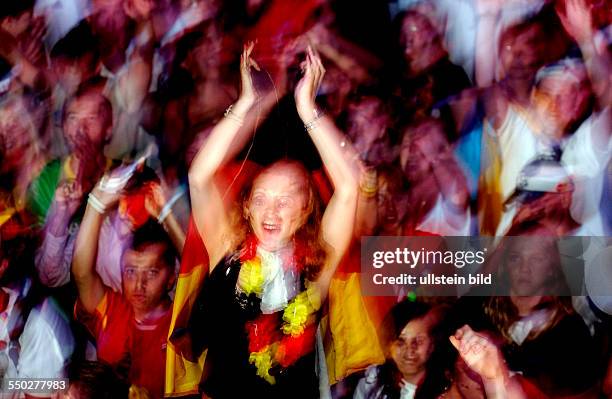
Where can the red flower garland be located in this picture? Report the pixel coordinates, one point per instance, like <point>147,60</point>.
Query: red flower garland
<point>291,349</point>
<point>262,332</point>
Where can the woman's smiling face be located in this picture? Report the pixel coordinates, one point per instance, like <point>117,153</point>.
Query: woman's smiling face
<point>412,349</point>
<point>277,205</point>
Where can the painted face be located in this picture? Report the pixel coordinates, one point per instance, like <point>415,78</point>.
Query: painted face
<point>412,349</point>
<point>85,127</point>
<point>530,266</point>
<point>145,278</point>
<point>276,207</point>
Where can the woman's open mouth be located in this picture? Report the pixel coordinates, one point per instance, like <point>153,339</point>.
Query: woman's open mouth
<point>271,228</point>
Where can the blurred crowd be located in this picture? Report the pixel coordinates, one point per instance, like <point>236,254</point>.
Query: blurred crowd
<point>469,117</point>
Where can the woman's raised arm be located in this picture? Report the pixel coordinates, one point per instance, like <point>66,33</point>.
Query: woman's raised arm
<point>341,165</point>
<point>225,141</point>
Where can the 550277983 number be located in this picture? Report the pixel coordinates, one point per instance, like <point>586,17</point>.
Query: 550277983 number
<point>34,385</point>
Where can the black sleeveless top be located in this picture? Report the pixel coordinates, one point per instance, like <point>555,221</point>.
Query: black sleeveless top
<point>218,322</point>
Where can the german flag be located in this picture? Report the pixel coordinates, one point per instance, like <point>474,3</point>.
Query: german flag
<point>183,367</point>
<point>183,370</point>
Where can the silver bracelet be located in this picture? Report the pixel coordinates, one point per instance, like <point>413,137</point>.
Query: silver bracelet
<point>309,126</point>
<point>229,114</point>
<point>96,204</point>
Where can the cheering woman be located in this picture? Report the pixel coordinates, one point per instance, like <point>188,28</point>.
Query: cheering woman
<point>271,266</point>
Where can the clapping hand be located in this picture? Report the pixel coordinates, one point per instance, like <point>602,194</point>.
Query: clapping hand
<point>307,88</point>
<point>248,93</point>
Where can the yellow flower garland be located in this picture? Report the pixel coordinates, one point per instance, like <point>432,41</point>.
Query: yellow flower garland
<point>251,278</point>
<point>263,362</point>
<point>296,315</point>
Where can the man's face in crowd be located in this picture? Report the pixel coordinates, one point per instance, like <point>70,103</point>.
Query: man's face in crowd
<point>559,101</point>
<point>146,279</point>
<point>421,43</point>
<point>85,125</point>
<point>520,53</point>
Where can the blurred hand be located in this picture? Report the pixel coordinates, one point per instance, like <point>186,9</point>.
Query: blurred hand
<point>548,206</point>
<point>479,353</point>
<point>68,196</point>
<point>307,88</point>
<point>248,92</point>
<point>66,200</point>
<point>576,19</point>
<point>155,200</point>
<point>33,43</point>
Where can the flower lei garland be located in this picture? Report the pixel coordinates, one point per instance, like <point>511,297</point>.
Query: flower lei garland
<point>273,340</point>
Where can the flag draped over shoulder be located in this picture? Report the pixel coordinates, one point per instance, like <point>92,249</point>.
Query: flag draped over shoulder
<point>351,342</point>
<point>350,324</point>
<point>183,371</point>
<point>490,201</point>
<point>183,367</point>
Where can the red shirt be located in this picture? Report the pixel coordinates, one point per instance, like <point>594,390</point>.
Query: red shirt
<point>137,349</point>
